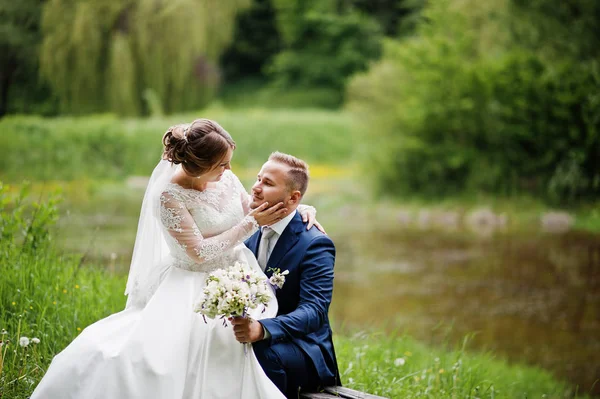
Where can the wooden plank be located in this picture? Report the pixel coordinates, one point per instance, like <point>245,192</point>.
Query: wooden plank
<point>317,396</point>
<point>350,393</point>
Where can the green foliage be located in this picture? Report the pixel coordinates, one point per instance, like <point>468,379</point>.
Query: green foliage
<point>463,107</point>
<point>396,17</point>
<point>549,115</point>
<point>289,15</point>
<point>558,29</point>
<point>400,367</point>
<point>43,294</point>
<point>153,104</point>
<point>260,93</point>
<point>106,56</point>
<point>24,228</point>
<point>105,147</point>
<point>103,55</point>
<point>20,87</point>
<point>326,50</point>
<point>256,40</point>
<point>122,93</point>
<point>318,45</point>
<point>19,25</point>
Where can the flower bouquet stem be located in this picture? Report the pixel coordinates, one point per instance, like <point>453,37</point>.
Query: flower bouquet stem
<point>245,315</point>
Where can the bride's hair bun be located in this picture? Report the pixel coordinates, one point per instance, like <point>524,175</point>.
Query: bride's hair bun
<point>198,147</point>
<point>175,144</point>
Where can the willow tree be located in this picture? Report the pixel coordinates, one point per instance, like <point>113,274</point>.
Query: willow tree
<point>104,55</point>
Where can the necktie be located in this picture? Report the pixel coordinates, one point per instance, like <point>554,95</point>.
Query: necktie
<point>263,249</point>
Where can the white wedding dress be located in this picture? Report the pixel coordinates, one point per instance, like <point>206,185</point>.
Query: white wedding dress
<point>159,348</point>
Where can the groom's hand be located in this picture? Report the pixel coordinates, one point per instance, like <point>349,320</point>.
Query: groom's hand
<point>247,329</point>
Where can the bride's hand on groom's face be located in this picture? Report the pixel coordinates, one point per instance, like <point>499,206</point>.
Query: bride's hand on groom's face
<point>265,215</point>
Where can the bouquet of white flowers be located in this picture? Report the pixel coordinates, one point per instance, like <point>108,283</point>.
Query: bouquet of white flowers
<point>233,291</point>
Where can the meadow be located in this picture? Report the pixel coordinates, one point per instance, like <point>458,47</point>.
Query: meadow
<point>105,147</point>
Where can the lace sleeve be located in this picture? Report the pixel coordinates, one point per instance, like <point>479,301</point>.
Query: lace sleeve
<point>245,197</point>
<point>181,226</point>
<point>307,210</point>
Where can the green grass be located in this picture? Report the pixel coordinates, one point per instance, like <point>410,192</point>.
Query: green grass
<point>398,366</point>
<point>588,217</point>
<point>105,147</point>
<point>259,93</point>
<point>44,294</point>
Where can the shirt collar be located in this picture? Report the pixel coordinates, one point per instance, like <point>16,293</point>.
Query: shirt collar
<point>282,224</point>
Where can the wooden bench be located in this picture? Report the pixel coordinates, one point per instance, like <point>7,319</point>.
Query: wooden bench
<point>339,392</point>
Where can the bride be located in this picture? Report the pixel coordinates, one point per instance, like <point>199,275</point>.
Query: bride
<point>194,219</point>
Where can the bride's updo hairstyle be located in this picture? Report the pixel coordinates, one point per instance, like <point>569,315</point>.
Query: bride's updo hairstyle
<point>198,147</point>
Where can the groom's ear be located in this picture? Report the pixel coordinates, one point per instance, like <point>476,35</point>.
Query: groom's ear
<point>295,197</point>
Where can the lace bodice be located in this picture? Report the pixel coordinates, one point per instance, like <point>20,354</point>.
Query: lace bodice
<point>203,227</point>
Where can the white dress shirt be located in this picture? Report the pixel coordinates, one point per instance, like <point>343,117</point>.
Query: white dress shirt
<point>278,228</point>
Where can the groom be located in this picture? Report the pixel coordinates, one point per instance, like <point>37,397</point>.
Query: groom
<point>295,349</point>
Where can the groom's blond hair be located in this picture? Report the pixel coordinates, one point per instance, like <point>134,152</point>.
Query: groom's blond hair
<point>298,172</point>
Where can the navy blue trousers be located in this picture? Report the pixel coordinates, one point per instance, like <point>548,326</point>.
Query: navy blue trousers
<point>288,367</point>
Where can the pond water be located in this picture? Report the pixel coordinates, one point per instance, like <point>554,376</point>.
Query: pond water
<point>529,297</point>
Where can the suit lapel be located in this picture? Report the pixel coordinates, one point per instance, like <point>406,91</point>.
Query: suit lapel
<point>288,239</point>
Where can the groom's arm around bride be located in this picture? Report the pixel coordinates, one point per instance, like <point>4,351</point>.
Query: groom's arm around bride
<point>295,349</point>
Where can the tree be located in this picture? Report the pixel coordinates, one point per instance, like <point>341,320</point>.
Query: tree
<point>558,29</point>
<point>327,49</point>
<point>104,55</point>
<point>396,17</point>
<point>324,44</point>
<point>19,43</point>
<point>256,41</point>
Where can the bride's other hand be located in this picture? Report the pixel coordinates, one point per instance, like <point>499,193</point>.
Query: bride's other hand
<point>309,216</point>
<point>317,225</point>
<point>266,216</point>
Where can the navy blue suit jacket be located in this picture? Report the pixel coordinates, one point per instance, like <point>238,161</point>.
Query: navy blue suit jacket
<point>304,300</point>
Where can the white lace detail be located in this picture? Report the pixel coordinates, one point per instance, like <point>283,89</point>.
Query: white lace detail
<point>170,217</point>
<point>224,260</point>
<point>196,230</point>
<point>211,250</point>
<point>253,222</point>
<point>214,195</point>
<point>204,226</point>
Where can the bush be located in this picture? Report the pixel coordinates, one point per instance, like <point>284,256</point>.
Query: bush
<point>547,119</point>
<point>325,50</point>
<point>256,40</point>
<point>462,107</point>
